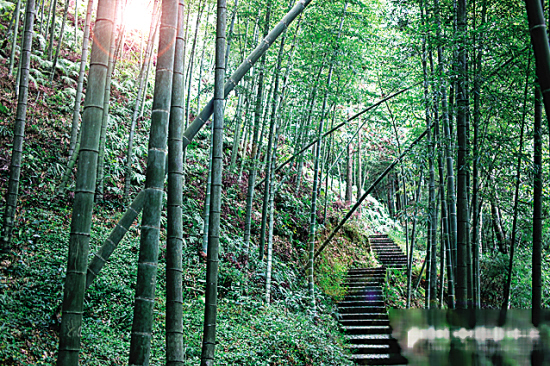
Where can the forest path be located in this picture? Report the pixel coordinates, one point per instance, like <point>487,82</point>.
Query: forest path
<point>362,313</point>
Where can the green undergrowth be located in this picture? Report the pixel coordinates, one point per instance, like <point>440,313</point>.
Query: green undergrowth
<point>494,274</point>
<point>249,332</point>
<point>348,249</point>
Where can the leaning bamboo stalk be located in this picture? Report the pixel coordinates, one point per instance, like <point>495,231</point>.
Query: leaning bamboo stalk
<point>358,203</point>
<point>283,164</point>
<point>235,78</point>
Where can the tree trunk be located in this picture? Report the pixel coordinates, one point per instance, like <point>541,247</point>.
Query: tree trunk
<point>209,338</point>
<point>230,33</point>
<point>19,131</point>
<point>201,67</point>
<point>313,211</point>
<point>497,227</point>
<point>140,344</point>
<point>541,48</point>
<point>75,281</point>
<point>476,157</point>
<point>237,135</point>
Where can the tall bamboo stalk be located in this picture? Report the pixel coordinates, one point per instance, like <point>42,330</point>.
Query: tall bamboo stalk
<point>19,131</point>
<point>15,34</point>
<point>413,238</point>
<point>142,82</point>
<point>174,245</point>
<point>536,294</point>
<point>255,140</point>
<point>75,282</point>
<point>140,343</point>
<point>60,39</point>
<point>210,311</point>
<point>506,302</point>
<point>80,82</point>
<point>462,163</point>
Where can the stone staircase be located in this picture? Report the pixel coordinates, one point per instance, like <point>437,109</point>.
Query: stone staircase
<point>387,252</point>
<point>362,313</point>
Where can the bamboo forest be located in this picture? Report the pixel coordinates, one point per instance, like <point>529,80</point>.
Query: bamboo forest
<point>274,182</point>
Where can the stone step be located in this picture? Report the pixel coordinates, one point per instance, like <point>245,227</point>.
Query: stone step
<point>366,329</point>
<point>361,309</point>
<point>362,281</point>
<point>361,303</point>
<point>368,338</point>
<point>366,271</point>
<point>363,316</point>
<point>363,322</point>
<point>362,293</point>
<point>379,359</point>
<point>367,296</point>
<point>361,285</point>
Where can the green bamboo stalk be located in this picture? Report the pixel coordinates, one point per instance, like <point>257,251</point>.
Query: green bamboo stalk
<point>174,246</point>
<point>313,210</point>
<point>19,131</point>
<point>536,287</point>
<point>140,344</point>
<point>109,245</point>
<point>142,82</point>
<point>255,141</point>
<point>413,239</point>
<point>52,29</point>
<point>210,311</point>
<point>541,48</point>
<point>80,82</point>
<point>113,49</point>
<point>60,39</point>
<point>75,282</point>
<point>462,300</point>
<point>272,128</point>
<point>15,34</point>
